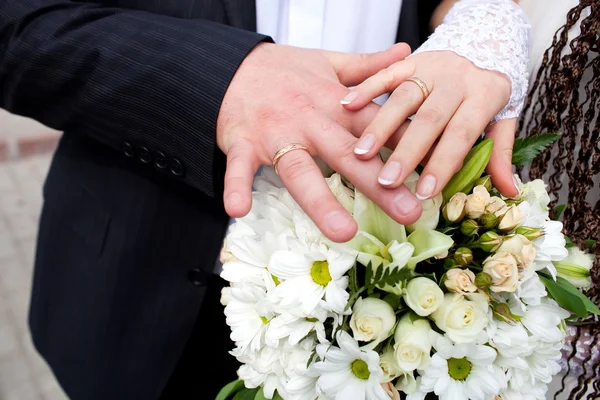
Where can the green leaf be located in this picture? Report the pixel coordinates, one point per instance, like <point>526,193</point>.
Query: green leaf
<point>392,300</point>
<point>568,286</point>
<point>569,242</point>
<point>277,396</point>
<point>558,211</point>
<point>246,394</point>
<point>590,243</point>
<point>564,298</point>
<point>230,389</point>
<point>525,150</point>
<point>260,395</point>
<point>473,166</point>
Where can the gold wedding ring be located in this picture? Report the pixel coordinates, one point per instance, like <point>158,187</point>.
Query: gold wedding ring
<point>421,86</point>
<point>286,149</point>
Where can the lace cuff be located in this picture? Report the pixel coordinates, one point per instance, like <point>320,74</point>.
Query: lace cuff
<point>493,35</point>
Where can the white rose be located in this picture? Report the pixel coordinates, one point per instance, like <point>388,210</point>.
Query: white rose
<point>477,201</point>
<point>455,209</point>
<point>412,347</point>
<point>521,248</point>
<point>372,321</point>
<point>389,366</point>
<point>495,204</point>
<point>430,215</point>
<point>510,218</point>
<point>341,192</point>
<point>576,267</point>
<point>423,296</point>
<point>460,281</point>
<point>462,319</point>
<point>503,268</point>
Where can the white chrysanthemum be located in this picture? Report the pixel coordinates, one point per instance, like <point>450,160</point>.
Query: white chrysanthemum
<point>530,291</point>
<point>347,372</point>
<point>463,371</point>
<point>550,247</point>
<point>247,314</point>
<point>510,341</point>
<point>545,321</point>
<point>295,328</point>
<point>308,278</point>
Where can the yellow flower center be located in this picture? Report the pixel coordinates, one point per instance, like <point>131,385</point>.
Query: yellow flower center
<point>320,273</point>
<point>459,368</point>
<point>360,369</point>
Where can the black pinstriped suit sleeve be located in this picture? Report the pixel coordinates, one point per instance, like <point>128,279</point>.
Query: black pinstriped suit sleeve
<point>122,76</point>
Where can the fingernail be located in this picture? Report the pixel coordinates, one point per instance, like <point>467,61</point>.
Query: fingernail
<point>233,200</point>
<point>405,203</point>
<point>364,144</point>
<point>350,97</point>
<point>516,185</point>
<point>337,220</point>
<point>390,173</point>
<point>425,187</point>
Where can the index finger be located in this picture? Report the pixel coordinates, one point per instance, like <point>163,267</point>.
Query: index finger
<point>335,145</point>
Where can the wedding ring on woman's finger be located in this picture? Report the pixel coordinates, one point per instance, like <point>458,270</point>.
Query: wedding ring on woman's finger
<point>421,85</point>
<point>286,149</point>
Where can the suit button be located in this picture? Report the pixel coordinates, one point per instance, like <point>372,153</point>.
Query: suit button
<point>128,149</point>
<point>144,155</point>
<point>160,160</point>
<point>177,168</point>
<point>197,277</point>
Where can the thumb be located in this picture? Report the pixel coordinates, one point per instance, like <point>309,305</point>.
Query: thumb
<point>353,68</point>
<point>500,165</point>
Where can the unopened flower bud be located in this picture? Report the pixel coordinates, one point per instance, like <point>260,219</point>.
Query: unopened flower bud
<point>469,227</point>
<point>488,220</point>
<point>530,233</point>
<point>483,280</point>
<point>510,219</point>
<point>495,204</point>
<point>463,256</point>
<point>503,313</point>
<point>449,263</point>
<point>490,241</point>
<point>477,201</point>
<point>485,181</point>
<point>454,211</point>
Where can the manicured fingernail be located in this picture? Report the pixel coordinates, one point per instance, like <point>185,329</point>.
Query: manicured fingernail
<point>390,173</point>
<point>350,97</point>
<point>405,203</point>
<point>425,187</point>
<point>233,200</point>
<point>516,185</point>
<point>364,144</point>
<point>337,220</point>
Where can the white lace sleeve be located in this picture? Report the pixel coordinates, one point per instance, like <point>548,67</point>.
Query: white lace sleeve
<point>493,35</point>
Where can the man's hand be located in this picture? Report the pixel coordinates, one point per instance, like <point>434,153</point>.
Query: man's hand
<point>282,95</point>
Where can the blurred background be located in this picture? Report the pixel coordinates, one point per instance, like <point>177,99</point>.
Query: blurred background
<point>26,149</point>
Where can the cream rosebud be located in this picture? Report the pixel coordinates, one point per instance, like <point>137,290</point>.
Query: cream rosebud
<point>469,227</point>
<point>576,268</point>
<point>341,192</point>
<point>389,366</point>
<point>490,241</point>
<point>372,321</point>
<point>521,248</point>
<point>454,211</point>
<point>463,256</point>
<point>423,296</point>
<point>477,201</point>
<point>503,269</point>
<point>495,204</point>
<point>462,317</point>
<point>460,281</point>
<point>510,219</point>
<point>412,347</point>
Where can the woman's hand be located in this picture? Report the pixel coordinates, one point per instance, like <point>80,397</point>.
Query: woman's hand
<point>463,100</point>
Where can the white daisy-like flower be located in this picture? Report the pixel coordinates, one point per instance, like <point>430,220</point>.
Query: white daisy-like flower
<point>347,372</point>
<point>550,247</point>
<point>462,371</point>
<point>308,278</point>
<point>295,328</point>
<point>248,313</point>
<point>544,321</point>
<point>530,291</point>
<point>510,341</point>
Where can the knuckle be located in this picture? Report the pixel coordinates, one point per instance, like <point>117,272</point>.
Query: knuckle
<point>430,115</point>
<point>460,133</point>
<point>294,166</point>
<point>405,94</point>
<point>345,149</point>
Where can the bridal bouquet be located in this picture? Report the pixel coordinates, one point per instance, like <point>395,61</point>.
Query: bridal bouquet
<point>470,302</point>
